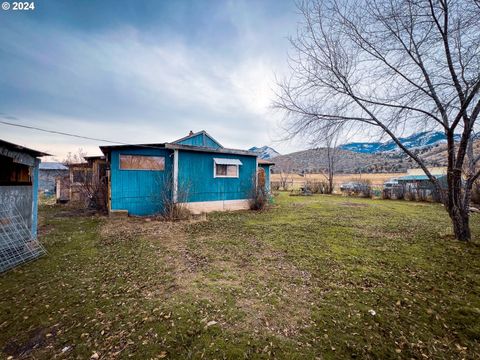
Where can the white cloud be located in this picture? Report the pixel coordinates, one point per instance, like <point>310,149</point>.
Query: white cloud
<point>126,86</point>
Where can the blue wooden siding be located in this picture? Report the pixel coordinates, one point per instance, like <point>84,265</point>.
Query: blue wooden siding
<point>196,181</point>
<point>140,192</point>
<point>267,175</point>
<point>201,139</point>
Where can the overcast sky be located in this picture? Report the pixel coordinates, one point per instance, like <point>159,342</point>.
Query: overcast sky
<point>144,71</point>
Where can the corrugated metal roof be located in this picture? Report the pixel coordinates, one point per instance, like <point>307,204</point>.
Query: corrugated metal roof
<point>222,161</point>
<point>20,148</point>
<point>52,166</point>
<point>417,177</point>
<point>436,171</point>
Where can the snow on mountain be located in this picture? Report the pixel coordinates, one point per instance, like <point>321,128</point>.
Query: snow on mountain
<point>265,152</point>
<point>419,140</point>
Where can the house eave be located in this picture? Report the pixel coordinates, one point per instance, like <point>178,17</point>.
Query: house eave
<point>21,149</point>
<point>265,162</point>
<point>108,148</point>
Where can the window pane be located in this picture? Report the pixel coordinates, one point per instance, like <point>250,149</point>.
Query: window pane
<point>221,170</point>
<point>138,162</point>
<point>232,170</point>
<point>79,176</point>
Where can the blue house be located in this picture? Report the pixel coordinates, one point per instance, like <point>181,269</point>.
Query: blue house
<point>195,171</point>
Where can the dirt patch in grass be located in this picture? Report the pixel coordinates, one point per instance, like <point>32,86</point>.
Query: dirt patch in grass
<point>35,339</point>
<point>352,204</point>
<point>257,280</point>
<point>74,211</point>
<point>116,230</point>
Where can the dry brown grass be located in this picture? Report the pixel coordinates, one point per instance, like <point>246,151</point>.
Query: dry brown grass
<point>376,180</point>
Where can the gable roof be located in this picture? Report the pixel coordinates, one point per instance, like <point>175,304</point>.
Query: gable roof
<point>221,150</point>
<point>420,177</point>
<point>204,139</point>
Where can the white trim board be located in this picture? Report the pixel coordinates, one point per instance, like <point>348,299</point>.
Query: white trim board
<point>175,176</point>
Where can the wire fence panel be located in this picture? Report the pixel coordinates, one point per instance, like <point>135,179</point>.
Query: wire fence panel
<point>17,243</point>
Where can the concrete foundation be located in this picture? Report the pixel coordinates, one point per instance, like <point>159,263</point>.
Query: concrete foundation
<point>222,205</point>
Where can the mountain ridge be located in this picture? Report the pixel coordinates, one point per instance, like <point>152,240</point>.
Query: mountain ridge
<point>265,152</point>
<point>421,140</point>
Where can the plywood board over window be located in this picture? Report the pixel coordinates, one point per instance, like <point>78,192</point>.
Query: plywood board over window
<point>142,162</point>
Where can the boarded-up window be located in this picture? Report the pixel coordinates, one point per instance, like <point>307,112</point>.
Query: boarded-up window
<point>141,162</point>
<point>226,170</point>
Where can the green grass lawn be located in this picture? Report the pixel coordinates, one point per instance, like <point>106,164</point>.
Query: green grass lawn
<point>315,277</point>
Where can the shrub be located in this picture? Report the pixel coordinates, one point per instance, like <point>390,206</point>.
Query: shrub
<point>399,192</point>
<point>476,192</point>
<point>275,185</point>
<point>365,190</point>
<point>422,195</point>
<point>387,194</point>
<point>259,198</point>
<point>175,212</point>
<point>173,209</point>
<point>317,187</point>
<point>409,195</point>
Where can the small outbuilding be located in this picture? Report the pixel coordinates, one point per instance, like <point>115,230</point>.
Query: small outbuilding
<point>418,184</point>
<point>19,168</point>
<point>49,172</point>
<point>195,171</point>
<point>84,183</point>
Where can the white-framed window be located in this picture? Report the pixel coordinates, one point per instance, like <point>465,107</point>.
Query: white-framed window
<point>226,168</point>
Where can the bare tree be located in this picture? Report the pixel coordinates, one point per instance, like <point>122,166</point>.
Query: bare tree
<point>330,141</point>
<point>75,158</point>
<point>285,171</point>
<point>390,66</point>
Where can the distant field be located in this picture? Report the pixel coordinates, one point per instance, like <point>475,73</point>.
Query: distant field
<point>296,180</point>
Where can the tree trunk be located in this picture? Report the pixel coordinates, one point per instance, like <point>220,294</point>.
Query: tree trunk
<point>330,184</point>
<point>458,206</point>
<point>460,221</point>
